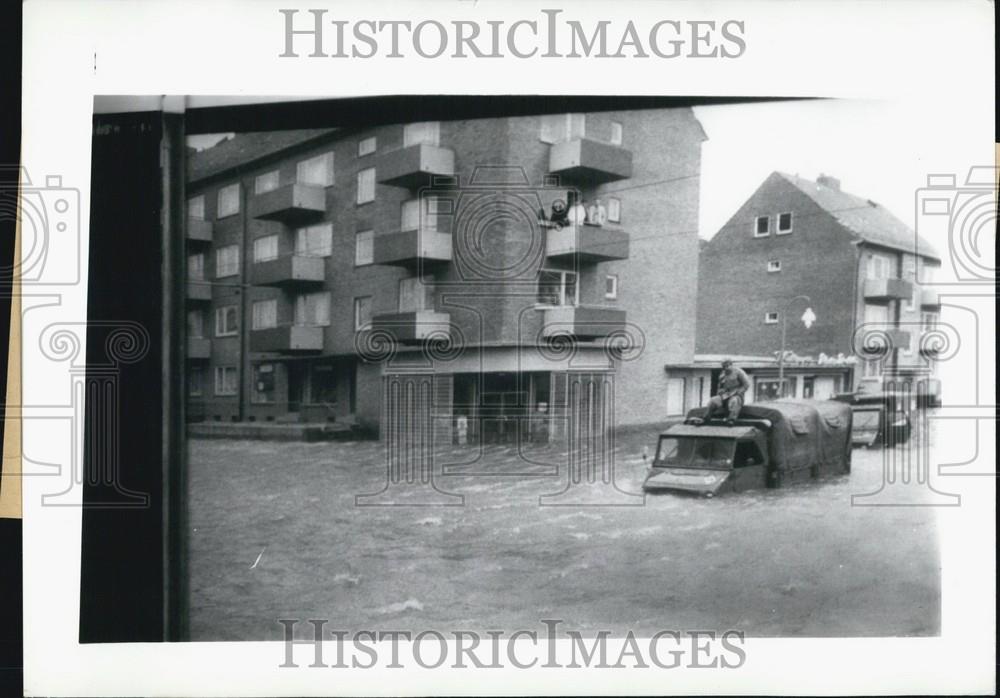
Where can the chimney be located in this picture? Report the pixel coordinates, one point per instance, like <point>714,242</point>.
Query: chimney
<point>828,182</point>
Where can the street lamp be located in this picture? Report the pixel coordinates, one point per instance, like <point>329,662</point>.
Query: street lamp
<point>808,318</point>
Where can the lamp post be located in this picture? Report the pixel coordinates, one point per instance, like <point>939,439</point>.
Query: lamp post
<point>808,318</point>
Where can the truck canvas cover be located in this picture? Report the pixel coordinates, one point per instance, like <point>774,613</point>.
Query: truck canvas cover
<point>804,433</point>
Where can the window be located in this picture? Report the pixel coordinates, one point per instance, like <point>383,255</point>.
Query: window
<point>228,201</point>
<point>317,171</point>
<point>196,267</point>
<point>611,287</point>
<point>195,324</point>
<point>771,318</point>
<point>314,241</point>
<point>196,208</point>
<point>675,396</point>
<point>411,216</point>
<point>364,247</point>
<point>762,226</point>
<point>773,266</point>
<point>614,210</point>
<point>313,309</point>
<point>562,127</point>
<point>928,321</point>
<point>415,294</point>
<point>784,223</point>
<point>324,384</point>
<point>265,248</point>
<point>910,274</point>
<point>266,182</point>
<point>425,132</point>
<point>226,380</point>
<point>265,314</point>
<point>879,266</point>
<point>227,261</point>
<point>225,321</point>
<point>557,288</point>
<point>366,146</point>
<point>617,132</point>
<point>366,185</point>
<point>263,383</point>
<point>876,314</point>
<point>362,312</point>
<point>196,379</point>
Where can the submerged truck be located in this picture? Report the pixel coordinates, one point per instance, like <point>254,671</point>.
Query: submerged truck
<point>770,445</point>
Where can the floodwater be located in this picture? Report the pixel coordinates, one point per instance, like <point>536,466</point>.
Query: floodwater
<point>276,532</point>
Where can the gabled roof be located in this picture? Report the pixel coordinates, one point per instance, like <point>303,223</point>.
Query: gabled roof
<point>864,218</point>
<point>245,148</point>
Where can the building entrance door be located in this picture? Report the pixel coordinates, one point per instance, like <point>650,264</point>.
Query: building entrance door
<point>297,381</point>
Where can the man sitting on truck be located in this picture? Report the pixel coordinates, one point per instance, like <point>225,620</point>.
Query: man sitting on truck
<point>733,383</point>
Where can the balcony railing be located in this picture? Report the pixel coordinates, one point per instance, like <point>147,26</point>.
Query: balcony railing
<point>199,291</point>
<point>885,290</point>
<point>415,165</point>
<point>582,322</point>
<point>291,204</point>
<point>413,327</point>
<point>930,299</point>
<point>588,161</point>
<point>407,248</point>
<point>199,230</point>
<point>587,243</point>
<point>287,339</point>
<point>290,270</point>
<point>199,348</point>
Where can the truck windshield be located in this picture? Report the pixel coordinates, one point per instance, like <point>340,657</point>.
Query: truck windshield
<point>695,453</point>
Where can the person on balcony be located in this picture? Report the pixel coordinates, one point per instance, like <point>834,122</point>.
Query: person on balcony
<point>597,214</point>
<point>733,384</point>
<point>558,218</point>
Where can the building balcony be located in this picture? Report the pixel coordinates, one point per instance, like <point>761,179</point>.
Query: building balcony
<point>413,327</point>
<point>288,339</point>
<point>415,165</point>
<point>198,230</point>
<point>291,204</point>
<point>590,162</point>
<point>408,248</point>
<point>929,299</point>
<point>885,290</point>
<point>586,243</point>
<point>582,322</point>
<point>199,291</point>
<point>199,348</point>
<point>290,271</point>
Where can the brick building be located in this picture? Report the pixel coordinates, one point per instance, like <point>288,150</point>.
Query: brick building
<point>427,271</point>
<point>857,266</point>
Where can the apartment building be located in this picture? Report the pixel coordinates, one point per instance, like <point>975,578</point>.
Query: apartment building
<point>497,277</point>
<point>798,245</point>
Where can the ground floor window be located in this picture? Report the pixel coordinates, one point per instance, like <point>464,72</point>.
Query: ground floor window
<point>770,389</point>
<point>226,380</point>
<point>675,396</point>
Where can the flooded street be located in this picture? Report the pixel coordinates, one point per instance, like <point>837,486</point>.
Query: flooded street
<point>275,533</point>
